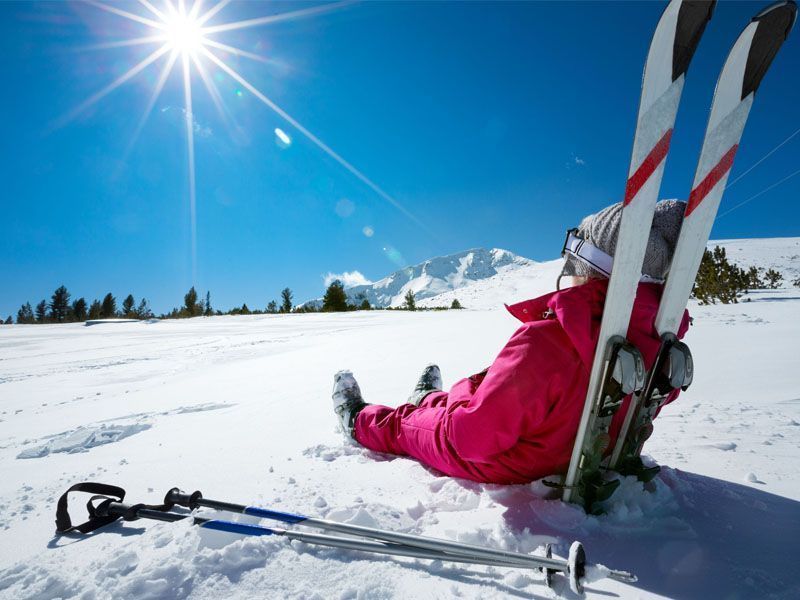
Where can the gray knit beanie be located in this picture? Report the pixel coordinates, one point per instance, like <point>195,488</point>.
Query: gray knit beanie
<point>601,230</point>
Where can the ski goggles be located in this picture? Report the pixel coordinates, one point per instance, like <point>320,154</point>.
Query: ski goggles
<point>580,249</point>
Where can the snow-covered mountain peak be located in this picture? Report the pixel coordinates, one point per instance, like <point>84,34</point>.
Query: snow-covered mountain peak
<point>437,276</point>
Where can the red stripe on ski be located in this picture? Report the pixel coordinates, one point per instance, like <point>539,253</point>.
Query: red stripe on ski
<point>704,187</point>
<point>647,168</point>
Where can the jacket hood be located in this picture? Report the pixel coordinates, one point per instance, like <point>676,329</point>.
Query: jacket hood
<point>579,310</point>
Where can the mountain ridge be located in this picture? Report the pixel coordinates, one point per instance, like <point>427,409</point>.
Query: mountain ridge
<point>481,278</point>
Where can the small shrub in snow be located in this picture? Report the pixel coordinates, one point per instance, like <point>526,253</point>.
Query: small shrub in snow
<point>773,278</point>
<point>411,302</point>
<point>719,280</point>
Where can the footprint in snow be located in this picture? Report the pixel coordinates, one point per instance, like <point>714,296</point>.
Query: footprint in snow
<point>752,478</point>
<point>331,453</point>
<point>726,446</point>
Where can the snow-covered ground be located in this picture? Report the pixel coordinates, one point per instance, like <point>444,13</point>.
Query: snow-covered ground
<point>782,254</point>
<point>239,407</point>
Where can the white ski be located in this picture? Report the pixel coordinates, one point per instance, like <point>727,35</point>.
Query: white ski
<point>616,364</point>
<point>744,69</point>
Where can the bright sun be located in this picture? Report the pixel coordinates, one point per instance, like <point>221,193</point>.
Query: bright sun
<point>184,33</point>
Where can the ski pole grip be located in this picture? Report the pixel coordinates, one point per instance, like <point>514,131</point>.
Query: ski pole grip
<point>180,498</point>
<point>110,508</point>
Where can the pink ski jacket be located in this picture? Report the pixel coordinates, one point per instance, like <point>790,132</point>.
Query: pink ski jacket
<point>516,421</point>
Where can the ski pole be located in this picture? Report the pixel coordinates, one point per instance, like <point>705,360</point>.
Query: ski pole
<point>574,568</point>
<point>110,508</point>
<point>107,505</point>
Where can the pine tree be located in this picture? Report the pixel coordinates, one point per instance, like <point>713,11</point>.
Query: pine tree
<point>59,305</point>
<point>9,320</point>
<point>244,310</point>
<point>25,314</point>
<point>41,312</point>
<point>754,281</point>
<point>79,310</point>
<point>190,306</point>
<point>286,297</point>
<point>208,311</point>
<point>365,305</point>
<point>773,278</point>
<point>95,309</point>
<point>272,307</point>
<point>411,301</point>
<point>108,309</point>
<point>127,307</point>
<point>718,279</point>
<point>143,310</point>
<point>456,304</point>
<point>335,299</point>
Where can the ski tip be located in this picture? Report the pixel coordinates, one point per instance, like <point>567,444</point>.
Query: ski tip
<point>773,25</point>
<point>693,16</point>
<point>781,15</point>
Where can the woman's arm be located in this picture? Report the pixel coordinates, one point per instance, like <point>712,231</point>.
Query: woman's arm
<point>513,398</point>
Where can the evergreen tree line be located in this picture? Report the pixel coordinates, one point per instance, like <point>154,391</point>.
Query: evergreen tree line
<point>719,279</point>
<point>194,308</point>
<point>60,310</point>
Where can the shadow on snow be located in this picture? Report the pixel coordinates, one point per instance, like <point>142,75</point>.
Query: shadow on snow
<point>693,537</point>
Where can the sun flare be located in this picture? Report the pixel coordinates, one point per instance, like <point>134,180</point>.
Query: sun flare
<point>184,35</point>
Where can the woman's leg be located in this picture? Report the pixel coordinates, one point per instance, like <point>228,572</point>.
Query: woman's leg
<point>416,431</point>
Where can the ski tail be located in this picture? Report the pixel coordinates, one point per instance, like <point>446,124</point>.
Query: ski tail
<point>673,45</point>
<point>741,76</point>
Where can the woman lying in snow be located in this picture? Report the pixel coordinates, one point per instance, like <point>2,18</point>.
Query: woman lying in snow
<point>517,420</point>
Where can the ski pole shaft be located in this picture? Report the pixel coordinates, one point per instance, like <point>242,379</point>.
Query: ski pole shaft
<point>375,547</point>
<point>196,499</point>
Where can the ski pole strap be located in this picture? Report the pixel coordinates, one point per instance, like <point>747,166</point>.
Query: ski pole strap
<point>98,517</point>
<point>99,490</point>
<point>581,249</point>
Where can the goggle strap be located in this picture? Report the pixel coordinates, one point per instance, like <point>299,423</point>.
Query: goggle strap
<point>594,257</point>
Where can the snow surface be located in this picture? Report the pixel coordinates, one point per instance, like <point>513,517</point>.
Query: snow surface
<point>239,407</point>
<point>782,254</point>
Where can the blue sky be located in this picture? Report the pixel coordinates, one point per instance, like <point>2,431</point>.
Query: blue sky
<point>494,125</point>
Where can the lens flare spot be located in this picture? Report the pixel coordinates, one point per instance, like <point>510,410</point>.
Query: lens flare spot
<point>393,254</point>
<point>282,138</point>
<point>345,208</point>
<point>368,231</point>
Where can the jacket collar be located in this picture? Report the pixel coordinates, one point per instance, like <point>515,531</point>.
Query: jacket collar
<point>579,310</point>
